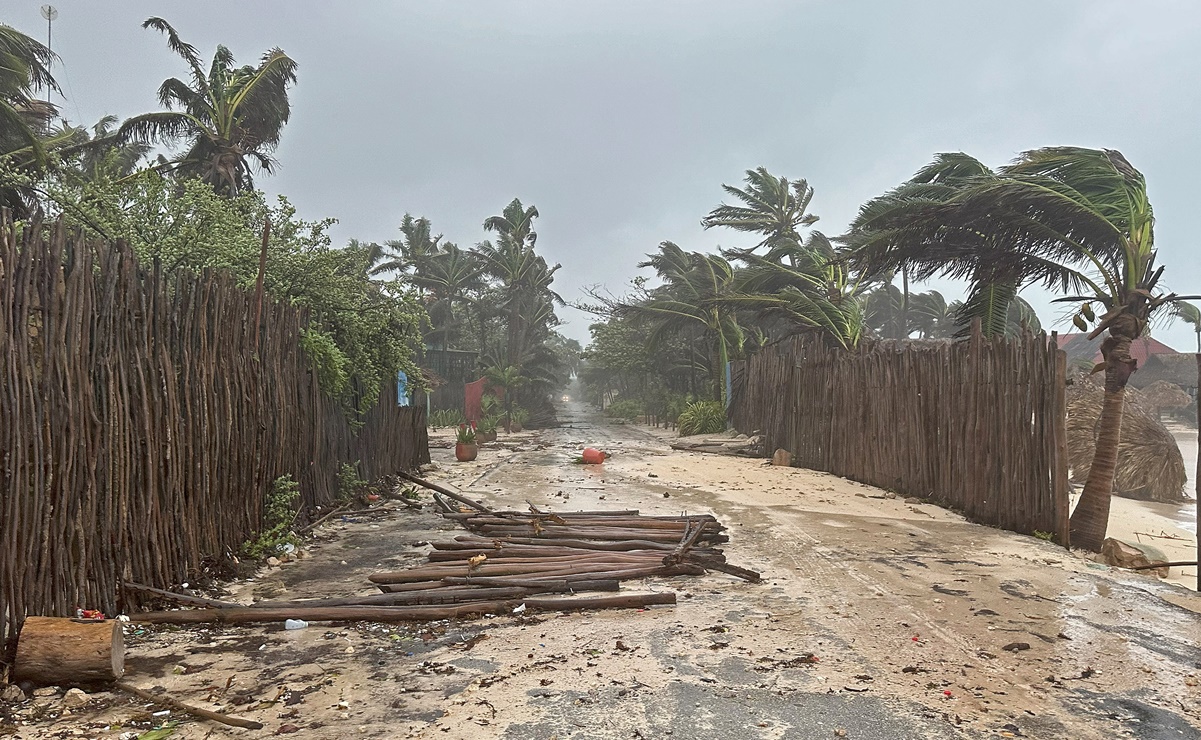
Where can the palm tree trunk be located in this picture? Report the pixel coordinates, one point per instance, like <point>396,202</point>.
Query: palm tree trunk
<point>1091,518</point>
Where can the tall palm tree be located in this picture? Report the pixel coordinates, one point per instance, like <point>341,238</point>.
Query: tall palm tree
<point>802,284</point>
<point>448,278</point>
<point>1189,314</point>
<point>772,206</point>
<point>228,117</point>
<point>695,297</point>
<point>523,274</point>
<point>24,68</point>
<point>417,245</point>
<point>1067,217</point>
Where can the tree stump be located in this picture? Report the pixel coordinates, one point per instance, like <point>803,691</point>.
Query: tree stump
<point>52,651</point>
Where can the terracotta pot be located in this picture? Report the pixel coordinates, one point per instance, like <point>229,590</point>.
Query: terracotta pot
<point>486,436</point>
<point>515,426</point>
<point>466,452</point>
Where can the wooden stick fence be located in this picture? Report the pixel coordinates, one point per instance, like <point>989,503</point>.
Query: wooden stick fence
<point>976,426</point>
<point>140,429</point>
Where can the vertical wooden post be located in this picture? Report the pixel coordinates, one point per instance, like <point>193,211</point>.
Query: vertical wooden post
<point>1197,475</point>
<point>1059,424</point>
<point>258,288</point>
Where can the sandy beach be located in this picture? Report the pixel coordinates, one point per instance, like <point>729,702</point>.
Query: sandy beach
<point>1170,527</point>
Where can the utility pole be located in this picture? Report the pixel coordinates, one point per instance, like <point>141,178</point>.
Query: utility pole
<point>50,13</point>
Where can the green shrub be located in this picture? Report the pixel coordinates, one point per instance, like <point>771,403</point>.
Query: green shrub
<point>627,409</point>
<point>702,417</point>
<point>446,418</point>
<point>349,482</point>
<point>279,512</point>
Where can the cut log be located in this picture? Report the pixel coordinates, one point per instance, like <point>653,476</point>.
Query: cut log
<point>52,651</point>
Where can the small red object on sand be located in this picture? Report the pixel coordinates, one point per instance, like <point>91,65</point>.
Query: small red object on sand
<point>947,694</point>
<point>593,456</point>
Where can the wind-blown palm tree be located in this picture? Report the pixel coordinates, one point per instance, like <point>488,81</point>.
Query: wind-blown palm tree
<point>418,244</point>
<point>695,298</point>
<point>24,68</point>
<point>525,276</point>
<point>229,118</point>
<point>772,206</point>
<point>802,284</point>
<point>1189,314</point>
<point>1069,218</point>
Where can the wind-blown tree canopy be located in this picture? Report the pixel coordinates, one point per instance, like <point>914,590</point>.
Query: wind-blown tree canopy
<point>1072,219</point>
<point>1191,315</point>
<point>24,68</point>
<point>228,118</point>
<point>772,206</point>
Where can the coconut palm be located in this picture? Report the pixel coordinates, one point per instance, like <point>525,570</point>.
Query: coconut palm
<point>695,298</point>
<point>1189,314</point>
<point>1073,219</point>
<point>448,279</point>
<point>417,245</point>
<point>772,206</point>
<point>228,118</point>
<point>24,68</point>
<point>524,276</point>
<point>801,284</point>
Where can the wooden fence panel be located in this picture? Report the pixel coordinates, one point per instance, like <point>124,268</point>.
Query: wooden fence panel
<point>143,418</point>
<point>976,426</point>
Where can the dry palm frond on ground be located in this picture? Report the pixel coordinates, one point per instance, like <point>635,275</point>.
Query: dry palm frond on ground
<point>1149,462</point>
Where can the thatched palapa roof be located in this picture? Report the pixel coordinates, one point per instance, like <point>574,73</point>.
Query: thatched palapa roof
<point>1150,466</point>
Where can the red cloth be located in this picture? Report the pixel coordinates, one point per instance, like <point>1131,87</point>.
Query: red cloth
<point>473,400</point>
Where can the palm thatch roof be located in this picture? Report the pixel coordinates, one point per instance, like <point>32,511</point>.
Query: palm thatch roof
<point>1150,466</point>
<point>1164,395</point>
<point>1178,368</point>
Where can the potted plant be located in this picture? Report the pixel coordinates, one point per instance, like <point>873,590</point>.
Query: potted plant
<point>465,444</point>
<point>486,431</point>
<point>518,419</point>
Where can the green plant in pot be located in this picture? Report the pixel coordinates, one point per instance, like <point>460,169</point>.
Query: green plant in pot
<point>466,446</point>
<point>485,431</point>
<point>519,417</point>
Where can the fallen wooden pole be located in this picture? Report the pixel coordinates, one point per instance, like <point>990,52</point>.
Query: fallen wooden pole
<point>424,597</point>
<point>724,567</point>
<point>167,701</point>
<point>184,599</point>
<point>247,615</point>
<point>468,541</point>
<point>445,492</point>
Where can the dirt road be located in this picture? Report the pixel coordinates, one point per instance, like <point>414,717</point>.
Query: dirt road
<point>877,618</point>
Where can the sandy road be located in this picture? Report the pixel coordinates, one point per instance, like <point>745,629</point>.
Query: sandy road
<point>878,618</point>
<point>908,608</point>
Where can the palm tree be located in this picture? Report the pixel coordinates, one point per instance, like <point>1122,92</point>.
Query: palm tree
<point>695,297</point>
<point>418,244</point>
<point>802,284</point>
<point>1189,314</point>
<point>1067,217</point>
<point>448,278</point>
<point>228,117</point>
<point>24,68</point>
<point>523,274</point>
<point>510,380</point>
<point>773,206</point>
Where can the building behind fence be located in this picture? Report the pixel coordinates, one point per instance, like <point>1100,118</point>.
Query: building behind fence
<point>976,426</point>
<point>144,418</point>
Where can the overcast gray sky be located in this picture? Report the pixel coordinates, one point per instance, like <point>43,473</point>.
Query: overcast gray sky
<point>620,120</point>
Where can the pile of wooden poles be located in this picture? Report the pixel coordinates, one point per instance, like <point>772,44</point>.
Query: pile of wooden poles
<point>513,561</point>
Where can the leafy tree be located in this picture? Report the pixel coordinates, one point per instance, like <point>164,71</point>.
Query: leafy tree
<point>360,332</point>
<point>228,118</point>
<point>1073,219</point>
